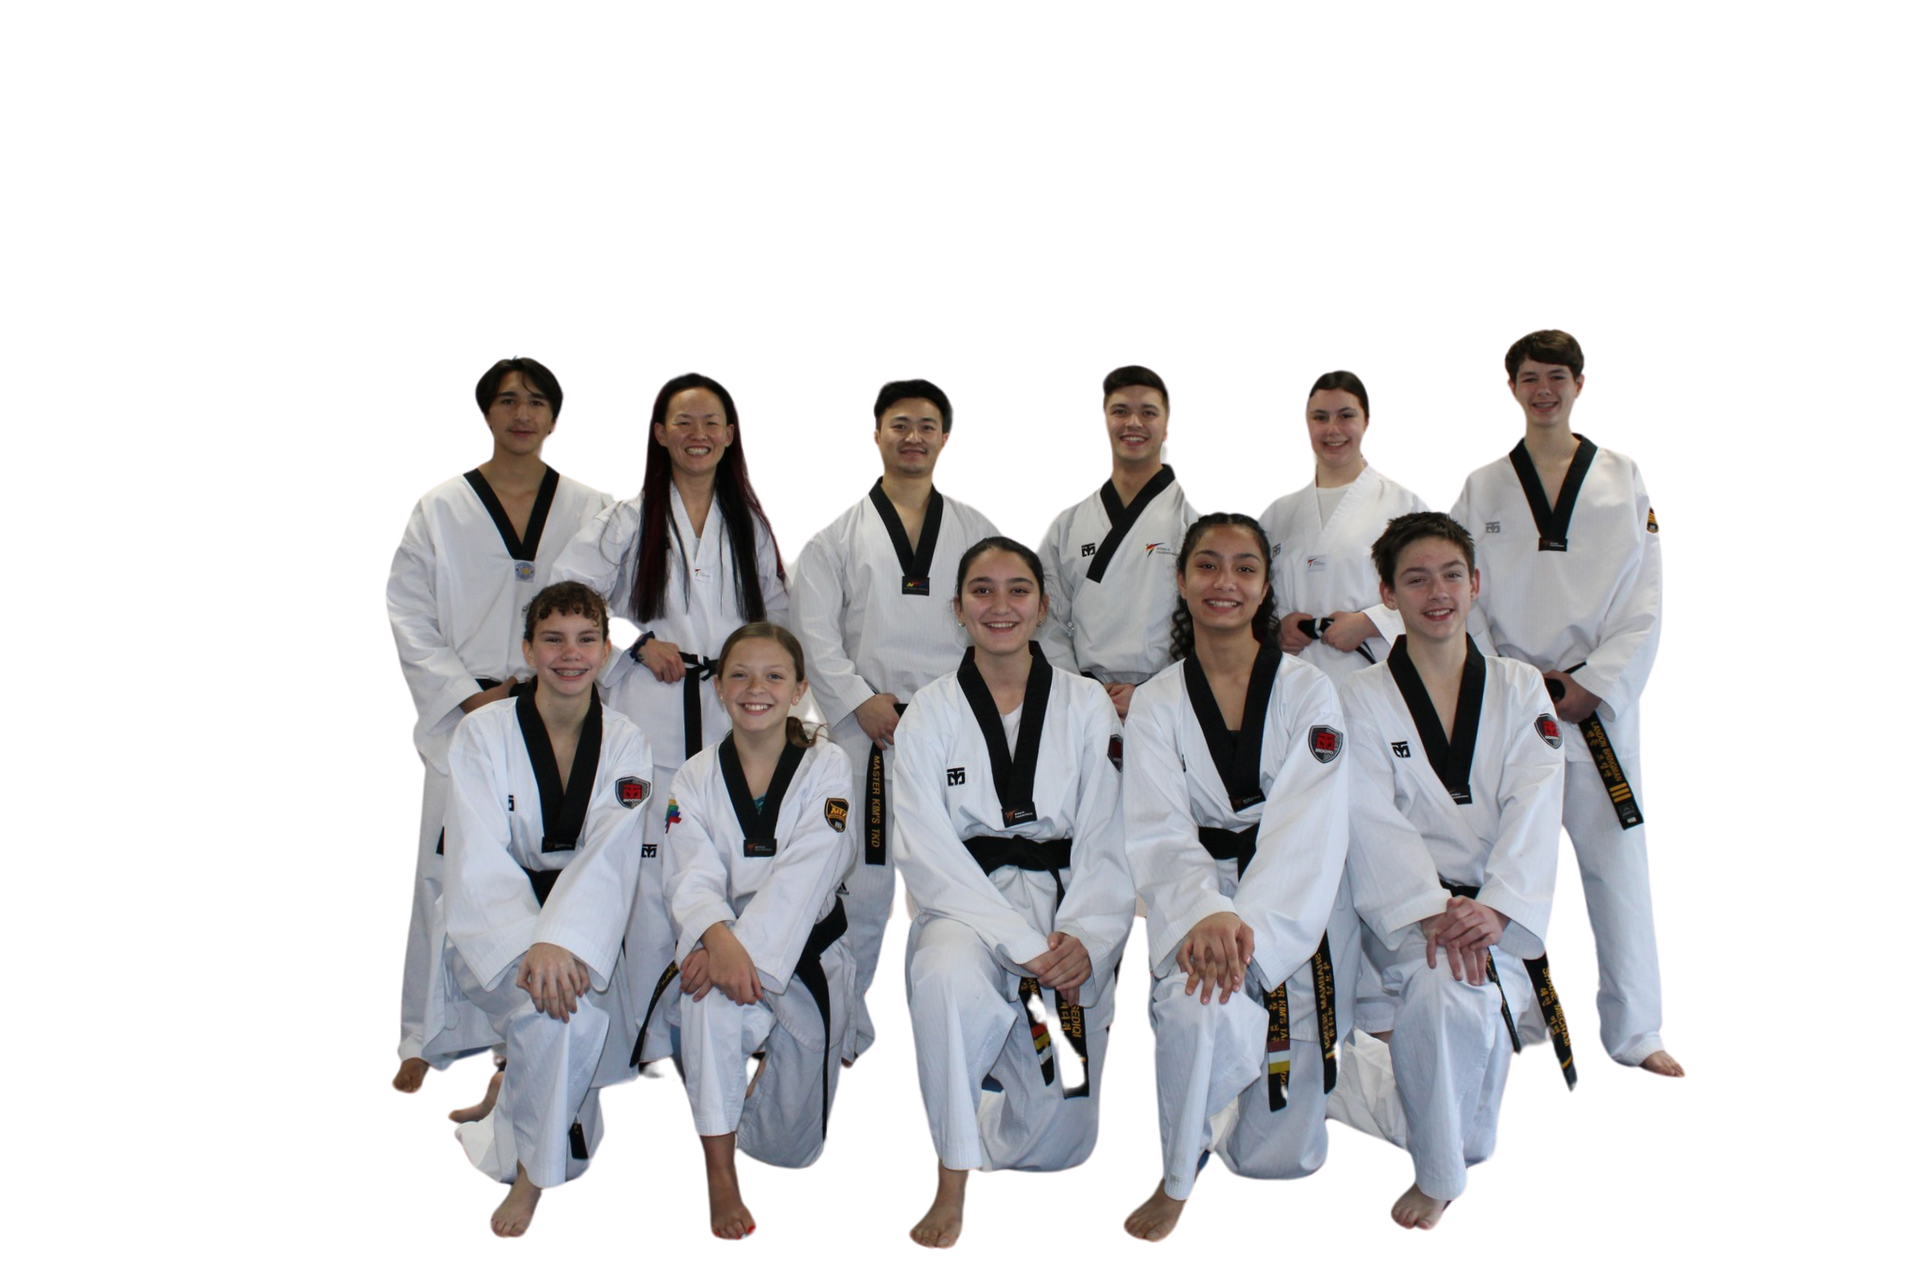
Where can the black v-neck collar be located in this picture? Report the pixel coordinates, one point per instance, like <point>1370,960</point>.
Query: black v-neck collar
<point>757,824</point>
<point>1012,771</point>
<point>1453,761</point>
<point>1237,760</point>
<point>1552,522</point>
<point>563,811</point>
<point>517,547</point>
<point>1124,517</point>
<point>916,566</point>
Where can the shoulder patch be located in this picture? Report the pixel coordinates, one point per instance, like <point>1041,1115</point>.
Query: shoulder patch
<point>1325,742</point>
<point>1653,526</point>
<point>837,813</point>
<point>1549,730</point>
<point>673,811</point>
<point>1116,752</point>
<point>631,792</point>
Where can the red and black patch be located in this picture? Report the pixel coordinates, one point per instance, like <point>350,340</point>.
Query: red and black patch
<point>1116,753</point>
<point>837,814</point>
<point>1325,742</point>
<point>631,792</point>
<point>1549,730</point>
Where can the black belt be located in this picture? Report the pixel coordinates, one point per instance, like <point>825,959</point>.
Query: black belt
<point>876,817</point>
<point>1052,857</point>
<point>1317,627</point>
<point>698,669</point>
<point>486,683</point>
<point>1612,775</point>
<point>814,979</point>
<point>1239,847</point>
<point>1550,1007</point>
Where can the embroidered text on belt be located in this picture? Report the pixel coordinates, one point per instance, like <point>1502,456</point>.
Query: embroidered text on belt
<point>1052,857</point>
<point>1613,775</point>
<point>875,822</point>
<point>1542,979</point>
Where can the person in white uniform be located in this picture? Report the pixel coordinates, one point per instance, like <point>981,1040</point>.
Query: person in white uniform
<point>1457,764</point>
<point>756,851</point>
<point>474,552</point>
<point>1012,849</point>
<point>1323,580</point>
<point>876,632</point>
<point>1109,559</point>
<point>687,562</point>
<point>1570,560</point>
<point>548,800</point>
<point>1236,819</point>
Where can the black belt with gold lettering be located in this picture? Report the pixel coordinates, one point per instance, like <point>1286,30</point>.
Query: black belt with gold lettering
<point>1052,857</point>
<point>1238,846</point>
<point>876,818</point>
<point>814,978</point>
<point>1612,774</point>
<point>1550,1007</point>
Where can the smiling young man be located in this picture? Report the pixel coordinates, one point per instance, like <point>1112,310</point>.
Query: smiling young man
<point>1570,555</point>
<point>877,629</point>
<point>1455,825</point>
<point>475,551</point>
<point>1109,560</point>
<point>544,818</point>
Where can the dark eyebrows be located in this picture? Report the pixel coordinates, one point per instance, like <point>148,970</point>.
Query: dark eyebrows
<point>984,579</point>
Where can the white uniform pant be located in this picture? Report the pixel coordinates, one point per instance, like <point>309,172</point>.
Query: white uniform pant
<point>647,949</point>
<point>548,1085</point>
<point>869,896</point>
<point>1450,1054</point>
<point>436,1022</point>
<point>783,1122</point>
<point>1207,1056</point>
<point>968,1025</point>
<point>1613,874</point>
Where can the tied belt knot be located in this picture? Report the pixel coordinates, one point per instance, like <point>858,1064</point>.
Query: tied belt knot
<point>698,669</point>
<point>1050,856</point>
<point>1238,847</point>
<point>1542,980</point>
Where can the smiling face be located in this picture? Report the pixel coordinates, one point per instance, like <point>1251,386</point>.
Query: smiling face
<point>758,686</point>
<point>520,417</point>
<point>911,436</point>
<point>566,652</point>
<point>696,432</point>
<point>1001,602</point>
<point>1136,424</point>
<point>1545,391</point>
<point>1432,589</point>
<point>1224,579</point>
<point>1336,422</point>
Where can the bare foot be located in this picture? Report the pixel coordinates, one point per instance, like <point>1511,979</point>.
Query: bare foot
<point>483,1108</point>
<point>1660,1062</point>
<point>515,1213</point>
<point>941,1227</point>
<point>412,1074</point>
<point>1415,1208</point>
<point>1157,1217</point>
<point>731,1220</point>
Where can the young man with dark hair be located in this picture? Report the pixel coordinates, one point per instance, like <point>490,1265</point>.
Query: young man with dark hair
<point>546,806</point>
<point>871,610</point>
<point>1454,835</point>
<point>1570,554</point>
<point>475,551</point>
<point>1109,560</point>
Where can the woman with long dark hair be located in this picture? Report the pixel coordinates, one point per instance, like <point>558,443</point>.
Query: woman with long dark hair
<point>688,561</point>
<point>1236,815</point>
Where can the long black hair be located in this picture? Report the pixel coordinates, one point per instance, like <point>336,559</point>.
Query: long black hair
<point>732,491</point>
<point>1262,616</point>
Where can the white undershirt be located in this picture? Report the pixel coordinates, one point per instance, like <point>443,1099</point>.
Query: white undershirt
<point>1330,501</point>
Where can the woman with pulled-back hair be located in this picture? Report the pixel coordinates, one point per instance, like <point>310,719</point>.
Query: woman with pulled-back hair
<point>687,561</point>
<point>1235,799</point>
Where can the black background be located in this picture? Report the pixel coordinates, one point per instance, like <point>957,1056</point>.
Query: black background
<point>1623,1156</point>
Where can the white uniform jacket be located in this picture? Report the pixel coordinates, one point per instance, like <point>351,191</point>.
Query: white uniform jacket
<point>1482,810</point>
<point>699,610</point>
<point>1174,787</point>
<point>1596,602</point>
<point>946,793</point>
<point>502,818</point>
<point>1110,588</point>
<point>1318,570</point>
<point>773,898</point>
<point>458,592</point>
<point>874,617</point>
